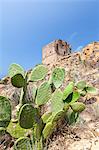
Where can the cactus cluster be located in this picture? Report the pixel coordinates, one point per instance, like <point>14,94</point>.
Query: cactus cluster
<point>63,103</point>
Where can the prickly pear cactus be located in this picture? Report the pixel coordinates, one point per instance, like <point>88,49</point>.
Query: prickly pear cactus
<point>78,107</point>
<point>58,77</point>
<point>27,116</point>
<point>37,131</point>
<point>58,115</point>
<point>66,107</point>
<point>2,132</point>
<point>5,112</point>
<point>81,85</point>
<point>91,90</point>
<point>39,144</point>
<point>82,92</point>
<point>34,92</point>
<point>48,129</point>
<point>16,131</point>
<point>68,90</point>
<point>38,73</point>
<point>71,116</point>
<point>22,143</point>
<point>57,101</point>
<point>46,116</point>
<point>75,97</point>
<point>15,69</point>
<point>18,81</point>
<point>43,94</point>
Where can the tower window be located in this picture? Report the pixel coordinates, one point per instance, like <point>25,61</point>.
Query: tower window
<point>56,46</point>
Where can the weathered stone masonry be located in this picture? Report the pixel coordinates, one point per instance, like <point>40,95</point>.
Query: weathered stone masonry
<point>78,66</point>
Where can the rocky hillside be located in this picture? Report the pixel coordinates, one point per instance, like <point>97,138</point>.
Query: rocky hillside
<point>82,65</point>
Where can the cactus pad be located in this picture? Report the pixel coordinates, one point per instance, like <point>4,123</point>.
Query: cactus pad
<point>18,81</point>
<point>78,107</point>
<point>16,131</point>
<point>68,90</point>
<point>15,69</point>
<point>57,116</point>
<point>75,97</point>
<point>34,92</point>
<point>46,116</point>
<point>40,144</point>
<point>5,112</point>
<point>22,143</point>
<point>91,90</point>
<point>66,107</point>
<point>82,92</point>
<point>27,116</point>
<point>43,94</point>
<point>38,73</point>
<point>58,77</point>
<point>2,132</point>
<point>81,85</point>
<point>37,131</point>
<point>71,116</point>
<point>48,129</point>
<point>56,101</point>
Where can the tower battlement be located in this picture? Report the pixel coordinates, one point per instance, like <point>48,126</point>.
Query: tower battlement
<point>54,50</point>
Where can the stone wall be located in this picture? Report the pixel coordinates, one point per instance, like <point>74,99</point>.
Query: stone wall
<point>78,66</point>
<point>52,51</point>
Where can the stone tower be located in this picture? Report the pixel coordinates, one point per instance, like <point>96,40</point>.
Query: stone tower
<point>54,50</point>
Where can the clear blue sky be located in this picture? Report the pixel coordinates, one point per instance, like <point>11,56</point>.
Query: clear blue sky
<point>27,25</point>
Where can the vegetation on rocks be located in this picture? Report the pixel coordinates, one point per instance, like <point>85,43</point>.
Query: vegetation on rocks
<point>34,127</point>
